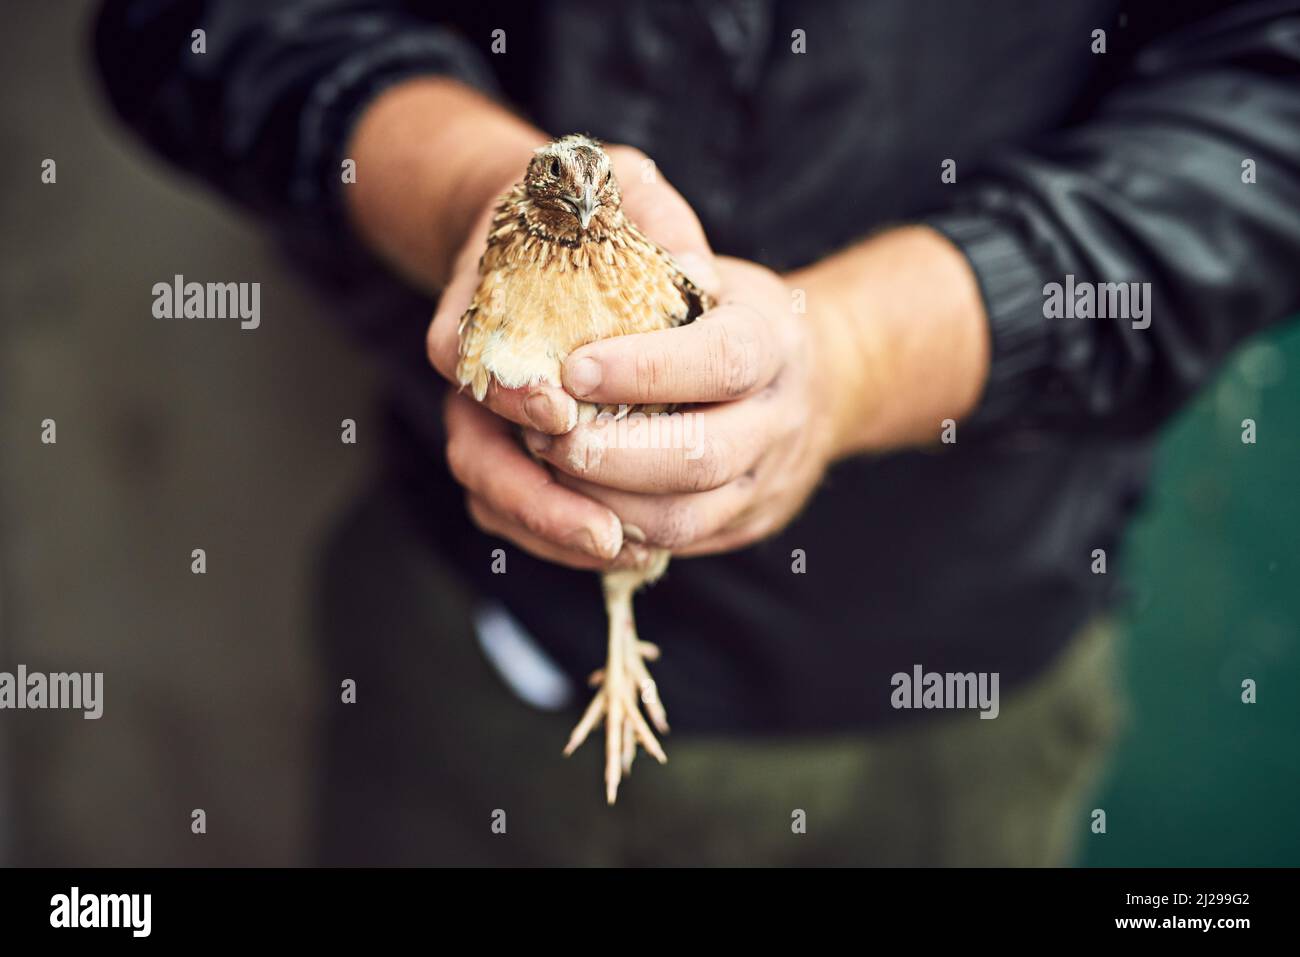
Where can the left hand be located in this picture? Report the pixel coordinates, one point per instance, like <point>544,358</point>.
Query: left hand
<point>756,447</point>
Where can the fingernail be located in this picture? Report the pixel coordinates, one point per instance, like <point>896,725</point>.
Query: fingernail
<point>633,533</point>
<point>596,545</point>
<point>584,376</point>
<point>586,450</point>
<point>537,442</point>
<point>699,270</point>
<point>584,540</point>
<point>613,538</point>
<point>539,409</point>
<point>632,555</point>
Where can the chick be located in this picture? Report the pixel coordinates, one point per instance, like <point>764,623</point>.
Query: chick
<point>564,267</point>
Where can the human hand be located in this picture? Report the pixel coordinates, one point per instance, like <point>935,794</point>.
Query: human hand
<point>741,463</point>
<point>509,493</point>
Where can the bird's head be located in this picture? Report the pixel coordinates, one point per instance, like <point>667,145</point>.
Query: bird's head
<point>571,179</point>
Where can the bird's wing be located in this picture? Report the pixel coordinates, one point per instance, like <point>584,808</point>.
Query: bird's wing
<point>476,324</point>
<point>695,299</point>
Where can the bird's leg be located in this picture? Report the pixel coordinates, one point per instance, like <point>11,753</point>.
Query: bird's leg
<point>624,683</point>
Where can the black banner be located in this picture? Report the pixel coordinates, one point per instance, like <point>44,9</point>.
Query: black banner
<point>332,906</point>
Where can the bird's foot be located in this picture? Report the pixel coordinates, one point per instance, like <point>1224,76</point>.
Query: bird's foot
<point>624,687</point>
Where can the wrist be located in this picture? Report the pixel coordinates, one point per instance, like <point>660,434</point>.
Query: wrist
<point>903,339</point>
<point>843,361</point>
<point>483,175</point>
<point>432,155</point>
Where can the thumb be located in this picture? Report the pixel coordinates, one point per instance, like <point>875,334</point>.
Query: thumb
<point>700,269</point>
<point>664,215</point>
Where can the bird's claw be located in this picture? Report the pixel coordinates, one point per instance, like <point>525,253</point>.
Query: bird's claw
<point>621,693</point>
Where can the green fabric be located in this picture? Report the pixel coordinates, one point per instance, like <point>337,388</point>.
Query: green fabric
<point>436,743</point>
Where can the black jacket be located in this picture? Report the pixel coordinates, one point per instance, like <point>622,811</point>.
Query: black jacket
<point>1116,166</point>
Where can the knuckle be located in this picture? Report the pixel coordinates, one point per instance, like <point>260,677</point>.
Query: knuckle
<point>651,370</point>
<point>709,470</point>
<point>479,516</point>
<point>532,523</point>
<point>736,355</point>
<point>458,459</point>
<point>532,519</point>
<point>764,528</point>
<point>432,343</point>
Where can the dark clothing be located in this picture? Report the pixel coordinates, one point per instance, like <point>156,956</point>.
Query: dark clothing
<point>436,751</point>
<point>1119,166</point>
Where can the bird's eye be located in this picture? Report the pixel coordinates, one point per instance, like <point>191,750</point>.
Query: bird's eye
<point>555,167</point>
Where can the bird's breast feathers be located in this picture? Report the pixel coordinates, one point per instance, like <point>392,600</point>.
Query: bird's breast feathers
<point>539,299</point>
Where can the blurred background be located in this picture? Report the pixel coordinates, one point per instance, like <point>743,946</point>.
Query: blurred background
<point>177,436</point>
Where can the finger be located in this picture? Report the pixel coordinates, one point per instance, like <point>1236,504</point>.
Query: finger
<point>665,216</point>
<point>672,521</point>
<point>484,456</point>
<point>680,452</point>
<point>546,408</point>
<point>442,340</point>
<point>494,523</point>
<point>729,353</point>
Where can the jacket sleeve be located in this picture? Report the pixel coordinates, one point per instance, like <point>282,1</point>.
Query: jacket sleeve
<point>1185,175</point>
<point>264,111</point>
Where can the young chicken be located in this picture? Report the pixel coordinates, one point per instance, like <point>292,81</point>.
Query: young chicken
<point>564,267</point>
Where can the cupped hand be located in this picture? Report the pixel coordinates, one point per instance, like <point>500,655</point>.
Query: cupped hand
<point>734,467</point>
<point>508,493</point>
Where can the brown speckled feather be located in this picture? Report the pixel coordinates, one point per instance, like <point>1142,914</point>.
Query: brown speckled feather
<point>542,296</point>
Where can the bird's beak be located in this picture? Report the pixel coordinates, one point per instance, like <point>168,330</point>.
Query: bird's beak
<point>586,206</point>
